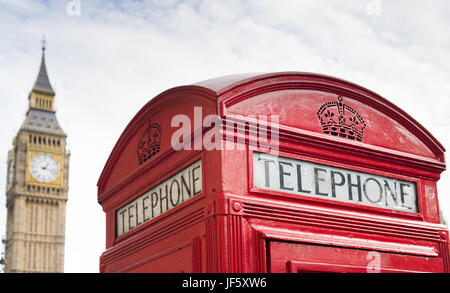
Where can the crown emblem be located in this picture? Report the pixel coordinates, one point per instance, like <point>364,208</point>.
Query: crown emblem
<point>339,119</point>
<point>150,142</point>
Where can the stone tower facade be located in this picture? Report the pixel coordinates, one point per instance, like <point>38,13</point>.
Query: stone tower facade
<point>37,186</point>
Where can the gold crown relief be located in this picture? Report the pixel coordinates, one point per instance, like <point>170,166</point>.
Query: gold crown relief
<point>150,142</point>
<point>339,119</point>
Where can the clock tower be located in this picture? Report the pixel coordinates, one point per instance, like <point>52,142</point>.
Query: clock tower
<point>37,186</point>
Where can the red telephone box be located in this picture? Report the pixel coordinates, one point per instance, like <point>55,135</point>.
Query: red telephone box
<point>282,172</point>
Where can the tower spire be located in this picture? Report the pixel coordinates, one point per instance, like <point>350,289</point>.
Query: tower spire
<point>42,84</point>
<point>43,43</point>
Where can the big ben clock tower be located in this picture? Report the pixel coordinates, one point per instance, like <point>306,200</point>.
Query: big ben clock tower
<point>37,186</point>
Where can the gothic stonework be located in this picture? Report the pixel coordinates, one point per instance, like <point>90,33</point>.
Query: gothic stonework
<point>37,186</point>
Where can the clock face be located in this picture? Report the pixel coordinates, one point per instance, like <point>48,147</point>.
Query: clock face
<point>10,171</point>
<point>44,168</point>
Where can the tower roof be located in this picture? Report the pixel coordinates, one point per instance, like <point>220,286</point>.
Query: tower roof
<point>42,84</point>
<point>43,122</point>
<point>41,116</point>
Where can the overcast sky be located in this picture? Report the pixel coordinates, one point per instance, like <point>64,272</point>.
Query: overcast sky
<point>106,59</point>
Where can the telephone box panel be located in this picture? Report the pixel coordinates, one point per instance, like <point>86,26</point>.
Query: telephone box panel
<point>306,258</point>
<point>280,172</point>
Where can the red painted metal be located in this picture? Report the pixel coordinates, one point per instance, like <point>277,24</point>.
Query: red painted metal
<point>234,227</point>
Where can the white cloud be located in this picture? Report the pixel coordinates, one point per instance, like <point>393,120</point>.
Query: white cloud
<point>108,62</point>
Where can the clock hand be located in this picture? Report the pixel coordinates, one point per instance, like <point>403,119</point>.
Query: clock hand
<point>43,168</point>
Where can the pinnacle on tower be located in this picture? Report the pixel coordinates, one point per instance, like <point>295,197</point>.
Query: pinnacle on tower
<point>42,84</point>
